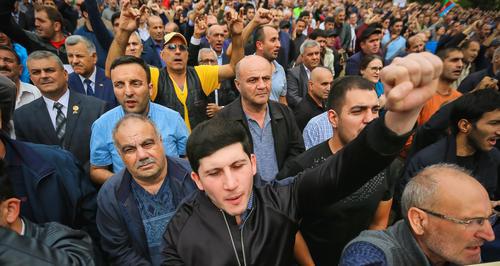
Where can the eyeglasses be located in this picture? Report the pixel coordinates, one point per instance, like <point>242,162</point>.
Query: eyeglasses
<point>477,221</point>
<point>173,47</point>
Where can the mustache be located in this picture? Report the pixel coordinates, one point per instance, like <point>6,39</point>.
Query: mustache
<point>144,162</point>
<point>5,68</point>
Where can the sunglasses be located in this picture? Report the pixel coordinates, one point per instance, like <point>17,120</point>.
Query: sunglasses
<point>173,47</point>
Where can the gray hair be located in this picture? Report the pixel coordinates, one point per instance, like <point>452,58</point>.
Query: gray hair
<point>308,43</point>
<point>132,116</point>
<point>43,54</point>
<point>137,34</point>
<point>206,50</point>
<point>338,10</point>
<point>76,39</point>
<point>421,191</point>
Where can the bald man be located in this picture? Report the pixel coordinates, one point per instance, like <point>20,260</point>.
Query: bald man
<point>313,103</point>
<point>448,217</point>
<point>276,137</point>
<point>154,44</point>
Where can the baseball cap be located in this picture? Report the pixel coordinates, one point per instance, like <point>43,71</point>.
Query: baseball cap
<point>169,36</point>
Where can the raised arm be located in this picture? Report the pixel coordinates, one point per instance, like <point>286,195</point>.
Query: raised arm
<point>409,83</point>
<point>239,36</point>
<point>129,22</point>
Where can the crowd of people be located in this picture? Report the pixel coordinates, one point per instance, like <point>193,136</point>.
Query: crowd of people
<point>277,132</point>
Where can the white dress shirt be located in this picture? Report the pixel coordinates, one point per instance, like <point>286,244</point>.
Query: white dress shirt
<point>27,93</point>
<point>64,100</point>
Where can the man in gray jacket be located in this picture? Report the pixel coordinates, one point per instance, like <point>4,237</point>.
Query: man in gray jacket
<point>448,217</point>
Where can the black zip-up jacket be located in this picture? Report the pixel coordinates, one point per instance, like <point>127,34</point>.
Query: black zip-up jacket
<point>202,234</point>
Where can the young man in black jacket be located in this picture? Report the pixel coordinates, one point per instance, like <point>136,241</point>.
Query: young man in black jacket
<point>236,222</point>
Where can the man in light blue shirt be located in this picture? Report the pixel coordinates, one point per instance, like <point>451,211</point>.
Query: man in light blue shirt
<point>393,44</point>
<point>267,45</point>
<point>132,85</point>
<point>317,130</point>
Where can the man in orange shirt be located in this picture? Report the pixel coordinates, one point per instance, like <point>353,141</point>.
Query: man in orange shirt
<point>452,68</point>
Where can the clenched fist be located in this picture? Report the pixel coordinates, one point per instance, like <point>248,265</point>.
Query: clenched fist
<point>410,81</point>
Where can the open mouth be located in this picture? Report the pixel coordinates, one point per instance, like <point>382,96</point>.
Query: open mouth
<point>234,200</point>
<point>492,141</point>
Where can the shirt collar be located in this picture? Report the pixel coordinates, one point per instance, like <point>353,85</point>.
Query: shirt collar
<point>64,100</point>
<point>245,214</point>
<point>92,77</point>
<point>23,227</point>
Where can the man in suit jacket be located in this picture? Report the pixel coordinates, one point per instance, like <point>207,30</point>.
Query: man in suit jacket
<point>298,77</point>
<point>61,117</point>
<point>88,78</point>
<point>154,44</point>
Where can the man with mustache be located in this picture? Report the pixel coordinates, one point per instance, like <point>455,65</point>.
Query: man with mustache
<point>136,204</point>
<point>10,67</point>
<point>60,117</point>
<point>132,86</point>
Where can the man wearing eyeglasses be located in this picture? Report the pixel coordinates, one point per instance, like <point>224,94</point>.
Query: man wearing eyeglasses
<point>448,217</point>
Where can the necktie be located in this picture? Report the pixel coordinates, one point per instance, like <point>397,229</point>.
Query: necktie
<point>90,90</point>
<point>60,121</point>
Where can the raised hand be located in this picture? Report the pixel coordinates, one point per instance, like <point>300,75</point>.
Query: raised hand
<point>410,81</point>
<point>262,16</point>
<point>200,26</point>
<point>129,17</point>
<point>235,21</point>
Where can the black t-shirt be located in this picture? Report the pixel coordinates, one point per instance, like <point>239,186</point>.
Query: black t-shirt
<point>330,230</point>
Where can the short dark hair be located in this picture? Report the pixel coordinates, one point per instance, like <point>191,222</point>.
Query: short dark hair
<point>7,48</point>
<point>466,43</point>
<point>127,59</point>
<point>247,6</point>
<point>317,33</point>
<point>6,190</point>
<point>445,52</point>
<point>472,106</point>
<point>259,35</point>
<point>336,97</point>
<point>115,16</point>
<point>393,21</point>
<point>304,13</point>
<point>329,20</point>
<point>367,59</point>
<point>52,13</point>
<point>212,135</point>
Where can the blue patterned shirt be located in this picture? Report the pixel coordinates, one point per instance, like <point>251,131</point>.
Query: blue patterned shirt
<point>156,212</point>
<point>317,130</point>
<point>362,253</point>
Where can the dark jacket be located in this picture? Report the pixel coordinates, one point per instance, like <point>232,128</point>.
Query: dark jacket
<point>32,123</point>
<point>471,81</point>
<point>486,169</point>
<point>150,55</point>
<point>119,220</point>
<point>29,40</point>
<point>353,64</point>
<point>296,82</point>
<point>45,244</point>
<point>306,110</point>
<point>202,234</point>
<point>103,87</point>
<point>57,189</point>
<point>288,141</point>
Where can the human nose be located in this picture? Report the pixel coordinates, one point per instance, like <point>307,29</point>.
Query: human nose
<point>486,232</point>
<point>229,180</point>
<point>141,153</point>
<point>368,117</point>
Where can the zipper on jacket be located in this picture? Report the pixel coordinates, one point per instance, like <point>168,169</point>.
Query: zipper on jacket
<point>241,238</point>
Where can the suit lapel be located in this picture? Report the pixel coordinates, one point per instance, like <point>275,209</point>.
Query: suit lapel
<point>99,86</point>
<point>76,84</point>
<point>74,110</point>
<point>304,78</point>
<point>43,117</point>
